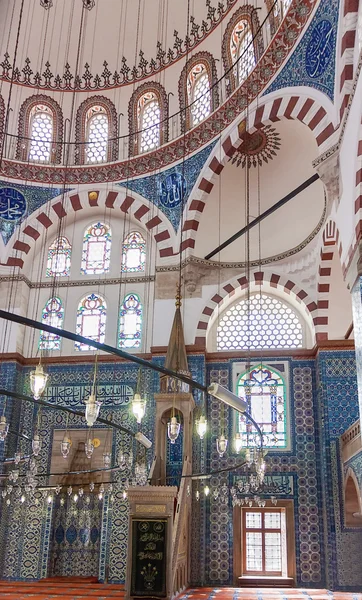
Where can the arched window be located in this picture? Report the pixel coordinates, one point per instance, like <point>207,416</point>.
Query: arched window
<point>40,131</point>
<point>264,392</point>
<point>242,50</point>
<point>96,249</point>
<point>59,253</point>
<point>147,118</point>
<point>133,253</point>
<point>262,323</point>
<point>242,46</point>
<point>198,98</point>
<point>97,135</point>
<point>91,320</point>
<point>130,322</point>
<point>198,91</point>
<point>96,131</point>
<point>277,11</point>
<point>53,314</point>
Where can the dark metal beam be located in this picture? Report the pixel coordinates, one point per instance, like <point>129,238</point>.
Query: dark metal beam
<point>265,214</point>
<point>149,364</point>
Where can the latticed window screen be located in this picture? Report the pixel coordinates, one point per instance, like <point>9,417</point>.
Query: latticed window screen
<point>130,322</point>
<point>260,323</point>
<point>241,46</point>
<point>53,314</point>
<point>96,251</point>
<point>262,542</point>
<point>149,116</point>
<point>199,96</point>
<point>133,253</point>
<point>97,127</point>
<point>41,133</point>
<point>59,255</point>
<point>91,320</point>
<point>264,391</point>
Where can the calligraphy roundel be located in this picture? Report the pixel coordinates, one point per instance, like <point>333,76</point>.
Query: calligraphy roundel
<point>12,204</point>
<point>172,190</point>
<point>319,49</point>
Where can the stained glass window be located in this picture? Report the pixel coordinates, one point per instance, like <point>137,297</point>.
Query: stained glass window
<point>264,391</point>
<point>133,253</point>
<point>53,314</point>
<point>96,249</point>
<point>263,322</point>
<point>41,133</point>
<point>241,45</point>
<point>198,90</point>
<point>130,322</point>
<point>149,116</point>
<point>97,135</point>
<point>59,253</point>
<point>91,320</point>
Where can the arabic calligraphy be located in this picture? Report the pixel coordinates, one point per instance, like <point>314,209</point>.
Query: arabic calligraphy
<point>319,49</point>
<point>12,204</point>
<point>172,190</point>
<point>73,395</point>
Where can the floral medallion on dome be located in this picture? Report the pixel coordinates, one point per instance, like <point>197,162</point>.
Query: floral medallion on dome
<point>258,148</point>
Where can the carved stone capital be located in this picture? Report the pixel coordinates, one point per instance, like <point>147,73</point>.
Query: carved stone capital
<point>330,174</point>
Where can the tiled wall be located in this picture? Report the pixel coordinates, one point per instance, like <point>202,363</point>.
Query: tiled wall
<point>324,403</point>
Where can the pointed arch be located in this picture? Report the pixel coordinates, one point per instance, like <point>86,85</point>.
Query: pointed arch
<point>148,118</point>
<point>91,320</point>
<point>40,221</point>
<point>40,130</point>
<point>96,115</point>
<point>242,46</point>
<point>197,95</point>
<point>258,278</point>
<point>52,314</point>
<point>352,500</point>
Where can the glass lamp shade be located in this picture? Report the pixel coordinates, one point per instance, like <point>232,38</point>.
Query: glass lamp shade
<point>201,427</point>
<point>238,442</point>
<point>173,430</point>
<point>138,407</point>
<point>89,448</point>
<point>17,458</point>
<point>65,445</point>
<point>38,381</point>
<point>221,445</point>
<point>92,407</point>
<point>4,428</point>
<point>36,444</point>
<point>15,475</point>
<point>107,460</point>
<point>206,490</point>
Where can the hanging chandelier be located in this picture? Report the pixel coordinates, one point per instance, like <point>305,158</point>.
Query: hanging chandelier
<point>4,428</point>
<point>138,407</point>
<point>65,445</point>
<point>173,429</point>
<point>221,445</point>
<point>38,381</point>
<point>92,408</point>
<point>89,448</point>
<point>201,426</point>
<point>36,444</point>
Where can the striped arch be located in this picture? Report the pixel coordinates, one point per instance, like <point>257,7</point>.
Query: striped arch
<point>273,280</point>
<point>289,106</point>
<point>348,26</point>
<point>330,241</point>
<point>41,220</point>
<point>357,236</point>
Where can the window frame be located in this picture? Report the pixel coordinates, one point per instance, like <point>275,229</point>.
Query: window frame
<point>262,530</point>
<point>123,251</point>
<point>78,346</point>
<point>54,338</point>
<point>131,348</point>
<point>88,122</point>
<point>239,368</point>
<point>53,252</point>
<point>85,243</point>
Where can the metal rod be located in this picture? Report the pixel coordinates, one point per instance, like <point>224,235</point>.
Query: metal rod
<point>265,214</point>
<point>149,364</point>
